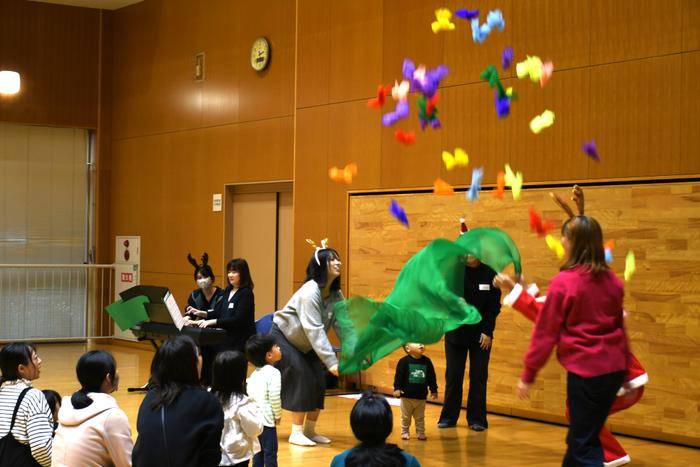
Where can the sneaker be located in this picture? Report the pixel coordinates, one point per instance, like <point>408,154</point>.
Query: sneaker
<point>316,438</point>
<point>446,424</point>
<point>477,427</point>
<point>422,437</point>
<point>405,436</point>
<point>621,461</point>
<point>300,440</point>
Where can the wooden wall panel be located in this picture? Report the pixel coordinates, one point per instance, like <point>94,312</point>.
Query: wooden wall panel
<point>658,222</point>
<point>311,204</point>
<point>466,59</point>
<point>553,30</point>
<point>154,86</point>
<point>555,153</point>
<point>355,57</point>
<point>269,93</point>
<point>471,123</point>
<point>406,34</point>
<point>633,29</point>
<point>690,114</point>
<point>55,49</point>
<point>691,25</point>
<point>635,117</point>
<point>313,52</point>
<point>356,139</point>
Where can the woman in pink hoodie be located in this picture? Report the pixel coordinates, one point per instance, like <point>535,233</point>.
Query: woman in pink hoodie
<point>93,430</point>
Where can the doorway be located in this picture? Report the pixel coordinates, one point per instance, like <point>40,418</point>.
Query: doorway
<point>258,227</point>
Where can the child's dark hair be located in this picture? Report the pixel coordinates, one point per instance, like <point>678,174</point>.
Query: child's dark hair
<point>319,271</point>
<point>52,398</point>
<point>241,267</point>
<point>371,421</point>
<point>174,368</point>
<point>92,369</point>
<point>204,269</point>
<point>228,373</point>
<point>12,356</point>
<point>257,347</point>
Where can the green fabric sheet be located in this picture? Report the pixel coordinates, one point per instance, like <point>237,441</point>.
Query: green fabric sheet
<point>129,313</point>
<point>426,302</point>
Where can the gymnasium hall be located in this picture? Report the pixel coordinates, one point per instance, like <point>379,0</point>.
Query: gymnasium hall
<point>160,158</point>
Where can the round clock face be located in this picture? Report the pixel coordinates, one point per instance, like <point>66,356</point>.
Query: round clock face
<point>260,54</point>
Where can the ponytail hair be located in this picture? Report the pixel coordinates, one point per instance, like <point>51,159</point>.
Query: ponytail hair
<point>92,369</point>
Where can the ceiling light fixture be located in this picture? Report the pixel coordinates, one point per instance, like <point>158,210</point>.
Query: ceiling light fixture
<point>9,82</point>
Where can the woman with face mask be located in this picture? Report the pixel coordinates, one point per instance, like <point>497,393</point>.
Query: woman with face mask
<point>207,295</point>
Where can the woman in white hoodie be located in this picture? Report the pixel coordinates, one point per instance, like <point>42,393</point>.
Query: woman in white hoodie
<point>93,430</point>
<point>243,419</point>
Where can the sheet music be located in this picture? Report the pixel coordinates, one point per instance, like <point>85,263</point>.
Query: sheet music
<point>174,310</point>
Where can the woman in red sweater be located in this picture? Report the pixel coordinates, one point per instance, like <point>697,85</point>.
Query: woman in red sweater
<point>582,316</point>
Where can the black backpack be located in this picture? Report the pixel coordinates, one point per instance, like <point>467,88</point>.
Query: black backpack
<point>12,452</point>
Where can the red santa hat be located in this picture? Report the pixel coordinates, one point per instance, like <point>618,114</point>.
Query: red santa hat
<point>462,226</point>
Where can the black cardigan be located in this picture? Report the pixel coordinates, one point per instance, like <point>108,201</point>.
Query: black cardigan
<point>193,426</point>
<point>236,316</point>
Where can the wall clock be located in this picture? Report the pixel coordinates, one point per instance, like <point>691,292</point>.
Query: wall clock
<point>260,54</point>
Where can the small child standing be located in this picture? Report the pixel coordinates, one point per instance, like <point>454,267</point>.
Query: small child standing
<point>54,400</point>
<point>414,375</point>
<point>243,420</point>
<point>264,386</point>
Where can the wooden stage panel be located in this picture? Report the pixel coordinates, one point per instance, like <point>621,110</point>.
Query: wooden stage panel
<point>508,441</point>
<point>660,222</point>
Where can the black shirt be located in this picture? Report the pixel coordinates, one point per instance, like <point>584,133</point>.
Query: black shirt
<point>193,426</point>
<point>414,376</point>
<point>237,316</point>
<point>480,292</point>
<point>198,300</point>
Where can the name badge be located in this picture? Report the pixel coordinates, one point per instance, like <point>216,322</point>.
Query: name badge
<point>484,286</point>
<point>230,305</point>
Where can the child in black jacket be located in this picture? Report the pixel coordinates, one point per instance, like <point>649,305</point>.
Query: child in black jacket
<point>414,375</point>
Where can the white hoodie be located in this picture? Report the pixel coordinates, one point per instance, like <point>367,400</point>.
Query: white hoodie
<point>243,422</point>
<point>97,435</point>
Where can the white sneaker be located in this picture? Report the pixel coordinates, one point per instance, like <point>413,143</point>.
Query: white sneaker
<point>317,438</point>
<point>621,461</point>
<point>300,440</point>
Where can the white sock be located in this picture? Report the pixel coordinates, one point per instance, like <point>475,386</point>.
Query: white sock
<point>310,432</point>
<point>297,437</point>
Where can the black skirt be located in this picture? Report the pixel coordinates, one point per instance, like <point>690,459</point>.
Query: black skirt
<point>303,376</point>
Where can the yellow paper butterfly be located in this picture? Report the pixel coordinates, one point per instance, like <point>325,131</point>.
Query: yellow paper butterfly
<point>460,159</point>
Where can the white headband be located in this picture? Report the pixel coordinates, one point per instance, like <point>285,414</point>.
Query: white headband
<point>324,245</point>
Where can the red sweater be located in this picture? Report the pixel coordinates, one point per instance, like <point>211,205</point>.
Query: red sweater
<point>582,316</point>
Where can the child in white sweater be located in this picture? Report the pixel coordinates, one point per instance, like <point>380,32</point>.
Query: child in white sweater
<point>243,420</point>
<point>264,386</point>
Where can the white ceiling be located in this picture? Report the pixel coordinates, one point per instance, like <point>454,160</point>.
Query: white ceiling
<point>101,4</point>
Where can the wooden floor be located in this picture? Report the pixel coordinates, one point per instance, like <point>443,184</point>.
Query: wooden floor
<point>508,441</point>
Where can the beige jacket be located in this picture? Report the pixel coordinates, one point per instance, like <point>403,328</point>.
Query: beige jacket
<point>97,435</point>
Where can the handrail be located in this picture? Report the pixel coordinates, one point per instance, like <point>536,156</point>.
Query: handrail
<point>54,265</point>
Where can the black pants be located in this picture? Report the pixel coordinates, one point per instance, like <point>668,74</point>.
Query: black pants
<point>456,359</point>
<point>589,400</point>
<point>267,457</point>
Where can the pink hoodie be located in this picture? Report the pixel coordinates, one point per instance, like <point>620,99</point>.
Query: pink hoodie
<point>97,435</point>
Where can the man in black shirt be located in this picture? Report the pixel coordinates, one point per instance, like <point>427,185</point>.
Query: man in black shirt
<point>473,340</point>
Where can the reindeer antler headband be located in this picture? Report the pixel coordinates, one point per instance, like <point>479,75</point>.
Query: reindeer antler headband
<point>324,245</point>
<point>577,197</point>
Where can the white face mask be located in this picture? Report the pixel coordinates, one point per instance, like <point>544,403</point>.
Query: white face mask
<point>204,283</point>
